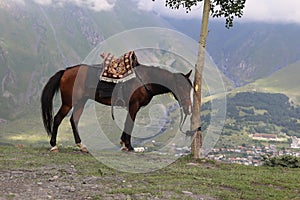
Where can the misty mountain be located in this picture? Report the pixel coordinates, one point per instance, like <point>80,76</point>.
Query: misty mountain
<point>247,51</point>
<point>36,41</point>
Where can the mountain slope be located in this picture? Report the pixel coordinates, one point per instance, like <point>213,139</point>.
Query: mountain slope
<point>285,80</point>
<point>248,51</point>
<point>37,40</point>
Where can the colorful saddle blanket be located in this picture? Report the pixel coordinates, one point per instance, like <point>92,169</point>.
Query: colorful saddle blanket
<point>118,69</point>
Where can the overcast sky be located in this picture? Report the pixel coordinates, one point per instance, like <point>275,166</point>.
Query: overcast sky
<point>284,11</point>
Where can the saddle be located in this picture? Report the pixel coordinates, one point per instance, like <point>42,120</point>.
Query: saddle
<point>120,69</point>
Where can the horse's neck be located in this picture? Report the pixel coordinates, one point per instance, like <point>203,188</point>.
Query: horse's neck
<point>162,80</point>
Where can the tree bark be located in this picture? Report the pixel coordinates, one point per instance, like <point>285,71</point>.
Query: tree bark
<point>195,118</point>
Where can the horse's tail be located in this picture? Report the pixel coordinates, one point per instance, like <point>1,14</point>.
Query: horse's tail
<point>48,93</point>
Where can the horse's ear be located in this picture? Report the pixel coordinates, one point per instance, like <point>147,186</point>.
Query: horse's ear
<point>188,74</point>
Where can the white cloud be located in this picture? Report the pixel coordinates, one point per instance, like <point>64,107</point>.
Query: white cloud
<point>96,5</point>
<point>158,6</point>
<point>284,11</point>
<point>145,5</point>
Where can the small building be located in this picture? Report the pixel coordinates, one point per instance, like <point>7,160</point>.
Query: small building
<point>266,137</point>
<point>295,142</point>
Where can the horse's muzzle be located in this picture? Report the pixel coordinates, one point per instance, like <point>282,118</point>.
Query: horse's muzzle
<point>187,110</point>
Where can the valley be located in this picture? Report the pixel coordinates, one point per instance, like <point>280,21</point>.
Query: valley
<point>259,63</point>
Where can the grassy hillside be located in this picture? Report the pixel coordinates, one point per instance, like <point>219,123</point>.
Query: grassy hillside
<point>284,81</point>
<point>35,173</point>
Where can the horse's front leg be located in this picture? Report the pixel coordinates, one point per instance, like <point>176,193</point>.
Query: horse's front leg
<point>128,127</point>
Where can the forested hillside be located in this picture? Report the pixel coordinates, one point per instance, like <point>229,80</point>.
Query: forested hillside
<point>255,112</point>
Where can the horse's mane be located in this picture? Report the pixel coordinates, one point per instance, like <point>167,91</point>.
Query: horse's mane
<point>84,65</point>
<point>165,71</point>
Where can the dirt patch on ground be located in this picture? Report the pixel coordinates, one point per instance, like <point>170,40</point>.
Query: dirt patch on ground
<point>57,183</point>
<point>47,183</point>
<point>35,173</point>
<point>65,182</point>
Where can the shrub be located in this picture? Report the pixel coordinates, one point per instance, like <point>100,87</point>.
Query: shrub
<point>282,161</point>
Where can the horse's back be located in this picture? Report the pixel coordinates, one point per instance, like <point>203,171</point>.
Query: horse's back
<point>73,82</point>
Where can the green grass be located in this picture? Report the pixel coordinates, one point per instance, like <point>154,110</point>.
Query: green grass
<point>221,181</point>
<point>285,81</point>
<point>32,133</point>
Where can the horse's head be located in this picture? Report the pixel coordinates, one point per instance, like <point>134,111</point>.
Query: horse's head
<point>183,91</point>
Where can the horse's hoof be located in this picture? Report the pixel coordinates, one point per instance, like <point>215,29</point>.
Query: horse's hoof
<point>125,149</point>
<point>122,144</point>
<point>131,150</point>
<point>82,148</point>
<point>139,149</point>
<point>54,149</point>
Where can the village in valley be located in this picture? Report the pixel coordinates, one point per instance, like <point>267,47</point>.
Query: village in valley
<point>253,155</point>
<point>260,145</point>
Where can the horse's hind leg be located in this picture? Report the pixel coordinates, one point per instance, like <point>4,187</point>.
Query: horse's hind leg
<point>62,112</point>
<point>78,109</point>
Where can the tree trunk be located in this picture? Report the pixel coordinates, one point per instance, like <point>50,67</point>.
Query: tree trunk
<point>195,119</point>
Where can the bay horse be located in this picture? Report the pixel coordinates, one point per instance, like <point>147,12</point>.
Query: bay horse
<point>73,83</point>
